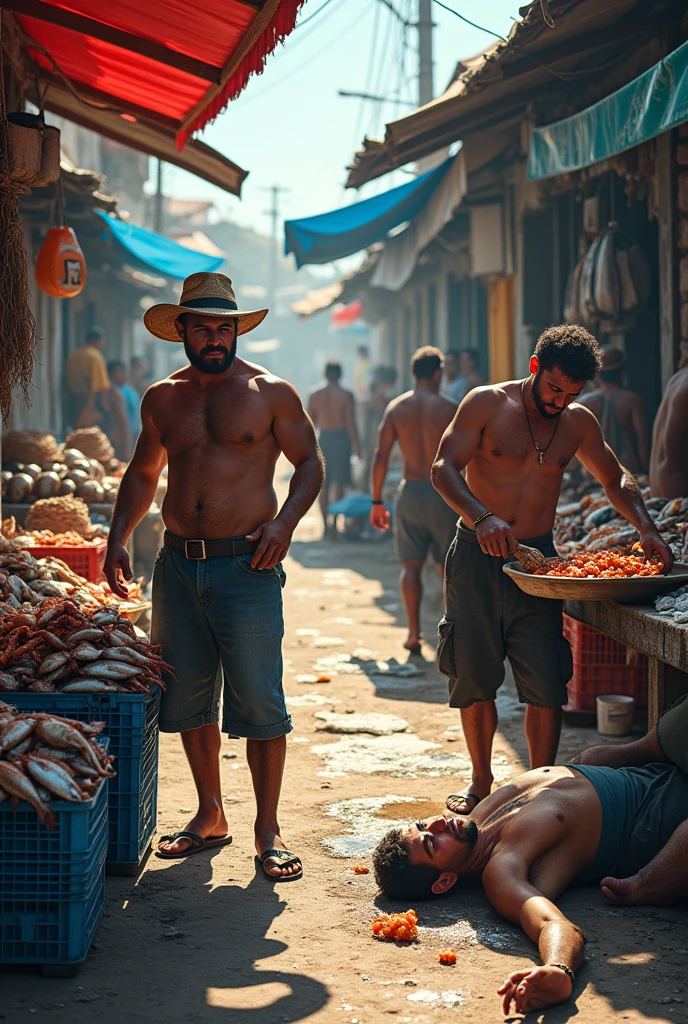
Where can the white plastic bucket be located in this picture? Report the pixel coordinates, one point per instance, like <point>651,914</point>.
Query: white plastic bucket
<point>615,714</point>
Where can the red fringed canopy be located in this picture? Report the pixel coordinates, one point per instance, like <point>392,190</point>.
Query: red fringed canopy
<point>172,63</point>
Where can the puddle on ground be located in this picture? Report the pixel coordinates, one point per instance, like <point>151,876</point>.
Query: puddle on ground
<point>310,700</point>
<point>373,723</point>
<point>328,641</point>
<point>365,829</point>
<point>404,756</point>
<point>447,1000</point>
<point>415,810</point>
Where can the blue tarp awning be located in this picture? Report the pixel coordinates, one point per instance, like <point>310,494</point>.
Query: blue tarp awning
<point>331,236</point>
<point>160,253</point>
<point>649,105</point>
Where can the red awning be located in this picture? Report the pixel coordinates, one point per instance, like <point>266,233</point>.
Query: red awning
<point>172,63</point>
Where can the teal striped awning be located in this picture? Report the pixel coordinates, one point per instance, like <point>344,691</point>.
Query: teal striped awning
<point>649,105</point>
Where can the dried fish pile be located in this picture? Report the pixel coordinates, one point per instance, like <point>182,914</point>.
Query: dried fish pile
<point>61,649</point>
<point>592,524</point>
<point>45,758</point>
<point>674,606</point>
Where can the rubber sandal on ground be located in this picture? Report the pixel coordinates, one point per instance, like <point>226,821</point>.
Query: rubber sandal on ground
<point>198,844</point>
<point>285,857</point>
<point>456,797</point>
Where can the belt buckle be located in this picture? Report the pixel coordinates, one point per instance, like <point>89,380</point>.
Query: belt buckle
<point>195,558</point>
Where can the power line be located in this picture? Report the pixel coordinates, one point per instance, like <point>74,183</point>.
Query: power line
<point>390,7</point>
<point>311,16</point>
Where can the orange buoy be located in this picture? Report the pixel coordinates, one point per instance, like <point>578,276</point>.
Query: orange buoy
<point>60,265</point>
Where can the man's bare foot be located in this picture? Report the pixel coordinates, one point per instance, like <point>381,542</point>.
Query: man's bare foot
<point>466,803</point>
<point>414,643</point>
<point>629,892</point>
<point>272,866</point>
<point>208,824</point>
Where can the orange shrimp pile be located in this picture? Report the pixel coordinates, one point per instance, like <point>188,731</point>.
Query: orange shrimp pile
<point>600,564</point>
<point>396,927</point>
<point>447,957</point>
<point>48,538</point>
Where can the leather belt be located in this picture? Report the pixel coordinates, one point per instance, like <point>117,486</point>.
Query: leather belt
<point>199,550</point>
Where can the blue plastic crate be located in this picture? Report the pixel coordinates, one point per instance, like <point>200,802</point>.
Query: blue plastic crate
<point>131,724</point>
<point>52,881</point>
<point>134,813</point>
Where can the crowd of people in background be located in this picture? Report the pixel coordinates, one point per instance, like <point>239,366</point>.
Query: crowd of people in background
<point>106,394</point>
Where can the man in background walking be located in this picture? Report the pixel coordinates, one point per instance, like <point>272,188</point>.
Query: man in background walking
<point>453,387</point>
<point>621,413</point>
<point>422,520</point>
<point>87,378</point>
<point>332,409</point>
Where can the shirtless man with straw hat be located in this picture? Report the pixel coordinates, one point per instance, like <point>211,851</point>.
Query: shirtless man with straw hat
<point>220,423</point>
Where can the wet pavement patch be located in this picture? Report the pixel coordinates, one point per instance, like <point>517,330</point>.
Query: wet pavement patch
<point>365,828</point>
<point>404,756</point>
<point>373,723</point>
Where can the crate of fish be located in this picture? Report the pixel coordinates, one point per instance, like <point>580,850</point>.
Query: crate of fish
<point>53,838</point>
<point>131,724</point>
<point>602,665</point>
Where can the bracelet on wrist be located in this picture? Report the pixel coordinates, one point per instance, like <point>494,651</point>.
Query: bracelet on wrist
<point>567,970</point>
<point>379,501</point>
<point>480,518</point>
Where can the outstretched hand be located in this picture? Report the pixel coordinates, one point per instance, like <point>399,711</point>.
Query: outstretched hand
<point>117,568</point>
<point>275,538</point>
<point>534,989</point>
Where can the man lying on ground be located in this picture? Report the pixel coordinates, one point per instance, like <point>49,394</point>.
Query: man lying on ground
<point>531,839</point>
<point>665,879</point>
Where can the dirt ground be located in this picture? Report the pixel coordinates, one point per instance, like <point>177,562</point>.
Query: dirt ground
<point>207,939</point>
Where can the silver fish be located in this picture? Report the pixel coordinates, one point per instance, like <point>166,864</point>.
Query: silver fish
<point>90,686</point>
<point>17,784</point>
<point>8,684</point>
<point>54,777</point>
<point>53,662</point>
<point>19,749</point>
<point>106,618</point>
<point>127,654</point>
<point>112,670</point>
<point>15,732</point>
<point>56,733</point>
<point>41,686</point>
<point>86,652</point>
<point>85,636</point>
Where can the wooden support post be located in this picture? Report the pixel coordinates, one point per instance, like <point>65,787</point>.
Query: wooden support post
<point>656,687</point>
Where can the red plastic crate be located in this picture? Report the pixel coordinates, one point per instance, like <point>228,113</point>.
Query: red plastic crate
<point>602,665</point>
<point>86,561</point>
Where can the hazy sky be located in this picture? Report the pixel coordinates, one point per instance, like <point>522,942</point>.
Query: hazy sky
<point>290,128</point>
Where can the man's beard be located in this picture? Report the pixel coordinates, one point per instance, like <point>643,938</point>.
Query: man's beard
<point>200,362</point>
<point>469,834</point>
<point>542,408</point>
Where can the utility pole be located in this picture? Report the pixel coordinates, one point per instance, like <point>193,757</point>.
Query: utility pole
<point>425,83</point>
<point>273,213</point>
<point>158,208</point>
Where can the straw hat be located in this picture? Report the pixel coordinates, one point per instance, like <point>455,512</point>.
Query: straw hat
<point>211,294</point>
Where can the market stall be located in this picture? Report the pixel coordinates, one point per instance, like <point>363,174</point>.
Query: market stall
<point>643,629</point>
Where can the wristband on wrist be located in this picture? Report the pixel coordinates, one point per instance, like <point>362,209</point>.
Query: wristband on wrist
<point>480,518</point>
<point>378,502</point>
<point>566,970</point>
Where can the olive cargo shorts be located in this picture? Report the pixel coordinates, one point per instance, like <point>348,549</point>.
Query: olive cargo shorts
<point>489,619</point>
<point>220,619</point>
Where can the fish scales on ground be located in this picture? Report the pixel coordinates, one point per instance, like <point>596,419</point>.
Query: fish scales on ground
<point>94,651</point>
<point>44,758</point>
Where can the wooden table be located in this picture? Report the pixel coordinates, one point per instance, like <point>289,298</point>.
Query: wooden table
<point>640,627</point>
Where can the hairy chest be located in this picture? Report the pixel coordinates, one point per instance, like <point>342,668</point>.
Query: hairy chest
<point>234,417</point>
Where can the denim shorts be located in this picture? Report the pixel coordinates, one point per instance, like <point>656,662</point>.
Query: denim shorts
<point>220,625</point>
